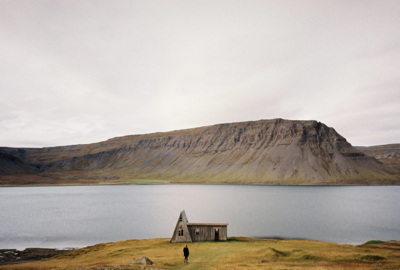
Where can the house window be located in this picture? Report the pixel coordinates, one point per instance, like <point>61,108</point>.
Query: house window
<point>197,232</point>
<point>180,233</point>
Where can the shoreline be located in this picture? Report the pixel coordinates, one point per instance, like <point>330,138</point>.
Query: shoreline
<point>193,183</point>
<point>15,256</point>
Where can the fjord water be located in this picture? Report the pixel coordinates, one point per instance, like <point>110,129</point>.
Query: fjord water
<point>77,216</point>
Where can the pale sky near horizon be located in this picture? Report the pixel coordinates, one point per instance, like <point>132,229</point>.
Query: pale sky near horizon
<point>76,72</point>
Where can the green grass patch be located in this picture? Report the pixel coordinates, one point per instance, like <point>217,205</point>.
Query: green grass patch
<point>149,182</point>
<point>135,182</point>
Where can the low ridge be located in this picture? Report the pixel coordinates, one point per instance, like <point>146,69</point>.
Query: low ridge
<point>388,154</point>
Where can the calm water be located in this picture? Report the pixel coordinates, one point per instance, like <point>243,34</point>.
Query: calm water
<point>84,215</point>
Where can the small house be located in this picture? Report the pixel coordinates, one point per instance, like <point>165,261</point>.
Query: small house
<point>193,232</point>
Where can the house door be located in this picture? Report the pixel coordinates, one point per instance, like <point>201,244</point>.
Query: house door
<point>216,234</point>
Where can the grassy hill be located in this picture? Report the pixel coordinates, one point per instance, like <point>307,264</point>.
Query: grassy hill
<point>236,253</point>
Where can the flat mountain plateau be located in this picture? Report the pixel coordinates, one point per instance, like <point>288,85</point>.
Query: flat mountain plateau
<point>236,253</point>
<point>273,151</point>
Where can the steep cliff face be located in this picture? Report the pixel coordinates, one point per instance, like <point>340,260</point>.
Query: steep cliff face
<point>265,151</point>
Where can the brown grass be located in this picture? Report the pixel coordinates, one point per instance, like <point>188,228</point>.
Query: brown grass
<point>236,253</point>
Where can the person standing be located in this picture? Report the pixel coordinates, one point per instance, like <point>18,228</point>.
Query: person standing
<point>186,254</point>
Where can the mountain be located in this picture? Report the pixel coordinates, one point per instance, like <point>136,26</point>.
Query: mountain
<point>259,152</point>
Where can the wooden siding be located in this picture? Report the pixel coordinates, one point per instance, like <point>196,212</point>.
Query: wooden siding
<point>186,232</point>
<point>207,232</point>
<point>181,225</point>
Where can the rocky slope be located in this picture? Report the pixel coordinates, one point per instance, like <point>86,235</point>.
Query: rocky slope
<point>388,154</point>
<point>267,151</point>
<point>12,164</point>
<point>14,256</point>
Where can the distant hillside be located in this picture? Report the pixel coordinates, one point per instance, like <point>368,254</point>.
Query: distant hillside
<point>388,154</point>
<point>267,151</point>
<point>10,164</point>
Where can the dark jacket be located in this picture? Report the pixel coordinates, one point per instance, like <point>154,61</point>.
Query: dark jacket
<point>186,252</point>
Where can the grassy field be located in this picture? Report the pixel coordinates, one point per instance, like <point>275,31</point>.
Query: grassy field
<point>236,253</point>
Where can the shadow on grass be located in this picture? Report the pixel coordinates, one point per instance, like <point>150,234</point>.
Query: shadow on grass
<point>232,239</point>
<point>280,238</point>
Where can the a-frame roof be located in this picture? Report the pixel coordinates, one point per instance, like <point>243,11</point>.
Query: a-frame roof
<point>184,217</point>
<point>187,237</point>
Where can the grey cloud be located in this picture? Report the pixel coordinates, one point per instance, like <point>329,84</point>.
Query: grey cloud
<point>78,72</point>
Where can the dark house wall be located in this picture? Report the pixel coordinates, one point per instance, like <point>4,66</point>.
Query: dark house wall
<point>207,232</point>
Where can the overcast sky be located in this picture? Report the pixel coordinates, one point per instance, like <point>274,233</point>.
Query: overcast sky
<point>76,72</point>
